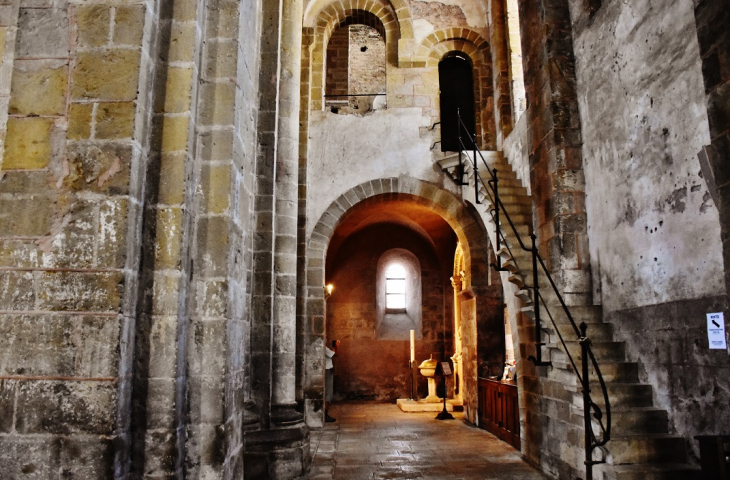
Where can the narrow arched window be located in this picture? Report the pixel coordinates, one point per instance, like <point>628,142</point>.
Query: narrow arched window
<point>398,296</point>
<point>395,287</point>
<point>456,87</point>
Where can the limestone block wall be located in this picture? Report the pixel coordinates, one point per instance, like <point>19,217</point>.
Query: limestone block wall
<point>653,226</point>
<point>70,103</point>
<point>123,286</point>
<point>366,73</point>
<point>554,147</point>
<point>338,54</point>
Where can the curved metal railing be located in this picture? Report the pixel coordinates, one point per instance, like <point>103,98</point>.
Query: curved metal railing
<point>590,408</point>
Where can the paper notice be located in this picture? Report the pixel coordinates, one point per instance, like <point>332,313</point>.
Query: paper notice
<point>716,331</point>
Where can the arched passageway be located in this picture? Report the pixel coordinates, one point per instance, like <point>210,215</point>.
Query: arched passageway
<point>418,227</point>
<point>375,237</point>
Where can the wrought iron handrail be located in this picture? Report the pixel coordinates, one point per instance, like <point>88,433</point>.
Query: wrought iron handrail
<point>590,408</point>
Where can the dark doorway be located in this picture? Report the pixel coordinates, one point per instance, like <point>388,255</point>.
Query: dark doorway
<point>457,95</point>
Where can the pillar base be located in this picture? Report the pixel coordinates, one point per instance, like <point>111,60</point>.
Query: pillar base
<point>286,415</point>
<point>276,453</point>
<point>251,420</point>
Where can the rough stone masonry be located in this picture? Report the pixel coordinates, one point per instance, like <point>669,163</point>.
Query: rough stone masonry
<point>176,189</point>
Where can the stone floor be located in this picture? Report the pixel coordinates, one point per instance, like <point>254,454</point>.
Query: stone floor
<point>378,441</point>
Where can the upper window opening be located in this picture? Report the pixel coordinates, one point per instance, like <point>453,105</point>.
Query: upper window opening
<point>457,101</point>
<point>355,72</point>
<point>395,287</point>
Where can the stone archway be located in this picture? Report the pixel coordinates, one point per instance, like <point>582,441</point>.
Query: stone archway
<point>441,43</point>
<point>465,224</point>
<point>319,28</point>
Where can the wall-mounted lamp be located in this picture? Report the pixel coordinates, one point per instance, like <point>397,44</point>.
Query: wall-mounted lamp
<point>328,289</point>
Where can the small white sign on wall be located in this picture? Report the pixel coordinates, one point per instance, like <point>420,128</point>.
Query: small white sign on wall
<point>716,330</point>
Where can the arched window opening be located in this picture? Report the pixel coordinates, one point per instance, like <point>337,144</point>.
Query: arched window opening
<point>456,86</point>
<point>395,287</point>
<point>355,72</point>
<point>398,295</point>
<point>517,77</point>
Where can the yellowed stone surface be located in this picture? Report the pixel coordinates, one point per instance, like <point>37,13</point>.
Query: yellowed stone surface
<point>114,120</point>
<point>107,75</point>
<point>27,144</point>
<point>38,88</point>
<point>79,121</point>
<point>92,22</point>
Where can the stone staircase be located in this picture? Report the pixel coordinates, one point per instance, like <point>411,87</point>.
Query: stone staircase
<point>640,446</point>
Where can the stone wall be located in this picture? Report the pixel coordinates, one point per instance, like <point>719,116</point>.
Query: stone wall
<point>354,149</point>
<point>338,56</point>
<point>69,193</point>
<point>367,60</point>
<point>712,23</point>
<point>671,237</point>
<point>653,226</point>
<point>128,167</point>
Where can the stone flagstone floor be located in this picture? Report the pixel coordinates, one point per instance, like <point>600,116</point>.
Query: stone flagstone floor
<point>378,441</point>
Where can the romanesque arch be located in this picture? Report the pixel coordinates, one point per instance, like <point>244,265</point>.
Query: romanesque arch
<point>398,7</point>
<point>320,24</point>
<point>436,46</point>
<point>469,231</point>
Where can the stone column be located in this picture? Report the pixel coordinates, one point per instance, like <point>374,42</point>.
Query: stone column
<point>283,389</point>
<point>555,150</point>
<point>500,72</point>
<point>457,357</point>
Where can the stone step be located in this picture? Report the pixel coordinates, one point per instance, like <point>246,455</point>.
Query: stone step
<point>621,395</point>
<point>508,198</point>
<point>516,279</point>
<point>664,471</point>
<point>590,314</point>
<point>506,182</point>
<point>605,352</point>
<point>622,372</point>
<point>519,217</point>
<point>597,332</point>
<point>524,295</point>
<point>618,372</point>
<point>510,181</point>
<point>637,421</point>
<point>629,421</point>
<point>522,229</point>
<point>523,256</point>
<point>510,265</point>
<point>643,449</point>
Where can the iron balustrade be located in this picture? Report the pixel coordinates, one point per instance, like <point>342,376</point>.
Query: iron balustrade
<point>590,408</point>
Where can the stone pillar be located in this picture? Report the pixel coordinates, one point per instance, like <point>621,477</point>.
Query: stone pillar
<point>457,357</point>
<point>556,162</point>
<point>279,450</point>
<point>283,390</point>
<point>500,72</point>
